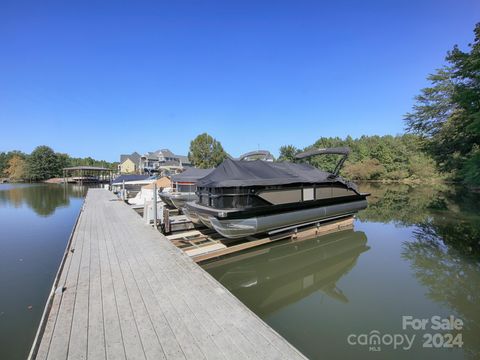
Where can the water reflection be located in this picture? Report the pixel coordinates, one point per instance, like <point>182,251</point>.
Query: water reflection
<point>449,279</point>
<point>444,251</point>
<point>44,199</point>
<point>449,215</point>
<point>35,223</point>
<point>272,278</point>
<point>423,259</point>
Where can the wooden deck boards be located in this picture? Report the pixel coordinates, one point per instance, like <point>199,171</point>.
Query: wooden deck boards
<point>131,294</point>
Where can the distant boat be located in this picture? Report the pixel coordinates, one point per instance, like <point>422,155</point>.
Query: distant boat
<point>146,192</point>
<point>184,185</point>
<point>243,198</point>
<point>132,183</point>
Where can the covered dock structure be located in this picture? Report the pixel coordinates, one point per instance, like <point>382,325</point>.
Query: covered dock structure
<point>87,174</point>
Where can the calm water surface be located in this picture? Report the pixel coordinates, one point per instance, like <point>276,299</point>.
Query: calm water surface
<point>35,224</point>
<point>415,251</point>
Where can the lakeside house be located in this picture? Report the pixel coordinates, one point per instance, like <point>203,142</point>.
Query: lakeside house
<point>161,161</point>
<point>129,164</point>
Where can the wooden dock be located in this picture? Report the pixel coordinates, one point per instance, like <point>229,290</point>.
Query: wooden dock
<point>125,292</point>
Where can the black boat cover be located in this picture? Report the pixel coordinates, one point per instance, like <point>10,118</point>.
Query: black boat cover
<point>234,173</point>
<point>191,175</point>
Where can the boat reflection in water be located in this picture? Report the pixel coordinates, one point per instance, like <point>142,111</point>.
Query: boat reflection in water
<point>269,279</point>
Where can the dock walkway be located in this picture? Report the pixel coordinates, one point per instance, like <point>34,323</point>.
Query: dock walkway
<point>125,292</point>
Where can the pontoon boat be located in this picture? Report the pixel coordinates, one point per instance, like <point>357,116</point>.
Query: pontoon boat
<point>243,198</point>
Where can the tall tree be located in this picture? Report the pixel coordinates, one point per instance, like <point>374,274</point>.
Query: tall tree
<point>206,152</point>
<point>43,163</point>
<point>447,114</point>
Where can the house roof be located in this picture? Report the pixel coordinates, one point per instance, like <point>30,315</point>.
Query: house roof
<point>183,159</point>
<point>151,155</point>
<point>135,157</point>
<point>166,153</point>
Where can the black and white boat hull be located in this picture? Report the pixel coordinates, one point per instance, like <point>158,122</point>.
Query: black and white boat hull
<point>242,227</point>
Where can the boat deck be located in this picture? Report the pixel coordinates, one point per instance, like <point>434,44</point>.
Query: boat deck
<point>125,292</point>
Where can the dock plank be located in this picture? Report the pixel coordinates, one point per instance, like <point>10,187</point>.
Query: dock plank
<point>59,344</point>
<point>114,348</point>
<point>131,294</point>
<point>78,344</point>
<point>96,332</point>
<point>44,346</point>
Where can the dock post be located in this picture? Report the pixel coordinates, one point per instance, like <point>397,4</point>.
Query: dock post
<point>166,220</point>
<point>155,215</point>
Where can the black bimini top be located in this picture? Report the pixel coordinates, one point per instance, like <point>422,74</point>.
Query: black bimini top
<point>235,173</point>
<point>191,175</point>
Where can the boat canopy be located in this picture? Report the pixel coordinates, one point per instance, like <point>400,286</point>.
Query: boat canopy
<point>236,173</point>
<point>191,175</point>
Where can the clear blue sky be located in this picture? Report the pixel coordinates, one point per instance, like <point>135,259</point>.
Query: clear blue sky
<point>100,78</point>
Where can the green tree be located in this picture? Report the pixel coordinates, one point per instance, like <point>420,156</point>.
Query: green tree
<point>288,152</point>
<point>3,163</point>
<point>447,114</point>
<point>374,157</point>
<point>368,169</point>
<point>206,152</point>
<point>43,163</point>
<point>63,160</point>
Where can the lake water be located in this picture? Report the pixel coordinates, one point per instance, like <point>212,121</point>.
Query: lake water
<point>35,224</point>
<point>415,251</point>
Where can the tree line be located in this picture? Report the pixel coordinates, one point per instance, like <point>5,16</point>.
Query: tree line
<point>42,163</point>
<point>373,157</point>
